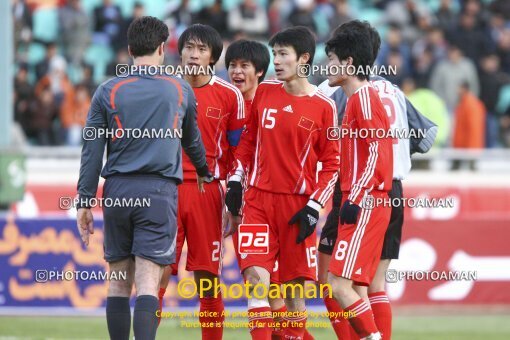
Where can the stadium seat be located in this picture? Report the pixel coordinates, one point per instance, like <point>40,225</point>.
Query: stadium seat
<point>45,24</point>
<point>36,53</point>
<point>99,56</point>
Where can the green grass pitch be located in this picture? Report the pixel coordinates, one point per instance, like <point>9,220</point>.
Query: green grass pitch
<point>404,328</point>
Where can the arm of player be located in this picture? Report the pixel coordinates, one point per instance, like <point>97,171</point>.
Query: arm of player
<point>191,139</point>
<point>419,122</point>
<point>236,124</point>
<point>93,149</point>
<point>369,121</point>
<point>329,156</point>
<point>91,165</point>
<point>245,150</point>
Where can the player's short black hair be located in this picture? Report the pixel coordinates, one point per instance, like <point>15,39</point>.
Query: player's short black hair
<point>145,34</point>
<point>375,38</point>
<point>299,37</point>
<point>204,34</point>
<point>351,41</point>
<point>249,50</point>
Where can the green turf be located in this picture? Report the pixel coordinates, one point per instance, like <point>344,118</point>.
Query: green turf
<point>405,328</point>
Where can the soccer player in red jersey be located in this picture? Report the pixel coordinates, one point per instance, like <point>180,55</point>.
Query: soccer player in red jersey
<point>284,140</point>
<point>221,119</point>
<point>366,175</point>
<point>247,62</point>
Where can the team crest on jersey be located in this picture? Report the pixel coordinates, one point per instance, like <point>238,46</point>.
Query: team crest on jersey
<point>213,112</point>
<point>305,123</point>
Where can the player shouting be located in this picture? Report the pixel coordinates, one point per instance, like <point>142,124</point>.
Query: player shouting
<point>403,116</point>
<point>285,138</point>
<point>366,175</point>
<point>221,119</point>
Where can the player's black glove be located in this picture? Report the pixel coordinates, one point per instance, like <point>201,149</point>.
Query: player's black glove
<point>307,219</point>
<point>349,213</point>
<point>234,197</point>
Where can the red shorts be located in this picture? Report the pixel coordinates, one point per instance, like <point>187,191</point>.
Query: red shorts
<point>199,221</point>
<point>358,246</point>
<point>275,274</point>
<point>294,260</point>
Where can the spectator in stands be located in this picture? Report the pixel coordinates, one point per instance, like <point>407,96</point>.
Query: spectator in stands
<point>107,24</point>
<point>22,19</point>
<point>395,60</point>
<point>56,81</point>
<point>42,67</point>
<point>87,79</point>
<point>449,74</point>
<point>394,42</point>
<point>445,15</point>
<point>214,16</point>
<point>423,65</point>
<point>179,16</point>
<point>121,58</point>
<point>503,50</point>
<point>341,14</point>
<point>431,106</point>
<point>74,31</point>
<point>302,14</point>
<point>433,40</point>
<point>469,37</point>
<point>43,112</point>
<point>501,6</point>
<point>250,18</point>
<point>23,94</point>
<point>491,82</point>
<point>121,41</point>
<point>469,126</point>
<point>73,115</point>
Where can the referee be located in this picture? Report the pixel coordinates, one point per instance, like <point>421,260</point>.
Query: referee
<point>139,240</point>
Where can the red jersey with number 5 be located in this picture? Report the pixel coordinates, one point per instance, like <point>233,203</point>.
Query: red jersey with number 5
<point>285,139</point>
<point>366,163</point>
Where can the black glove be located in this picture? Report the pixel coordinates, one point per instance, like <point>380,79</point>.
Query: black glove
<point>234,197</point>
<point>329,232</point>
<point>307,219</point>
<point>349,213</point>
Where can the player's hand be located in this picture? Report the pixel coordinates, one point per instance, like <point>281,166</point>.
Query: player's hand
<point>349,213</point>
<point>307,219</point>
<point>234,197</point>
<point>85,223</point>
<point>205,179</point>
<point>231,223</point>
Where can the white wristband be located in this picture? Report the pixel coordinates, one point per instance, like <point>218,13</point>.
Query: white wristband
<point>314,205</point>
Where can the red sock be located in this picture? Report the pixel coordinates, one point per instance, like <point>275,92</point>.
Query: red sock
<point>382,313</point>
<point>340,324</point>
<point>361,318</point>
<point>260,320</point>
<point>161,294</point>
<point>212,305</point>
<point>277,332</point>
<point>295,326</point>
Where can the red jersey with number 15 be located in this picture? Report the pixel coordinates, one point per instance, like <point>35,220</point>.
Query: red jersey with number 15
<point>285,138</point>
<point>366,163</point>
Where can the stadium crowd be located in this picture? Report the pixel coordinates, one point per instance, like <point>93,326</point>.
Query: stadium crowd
<point>452,56</point>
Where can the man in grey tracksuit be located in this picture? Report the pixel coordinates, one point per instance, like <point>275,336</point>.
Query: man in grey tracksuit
<point>143,119</point>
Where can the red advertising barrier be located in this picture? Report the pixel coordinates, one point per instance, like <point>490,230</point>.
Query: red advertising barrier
<point>454,252</point>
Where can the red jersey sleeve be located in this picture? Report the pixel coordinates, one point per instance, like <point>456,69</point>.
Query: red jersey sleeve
<point>370,115</point>
<point>329,156</point>
<point>245,150</point>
